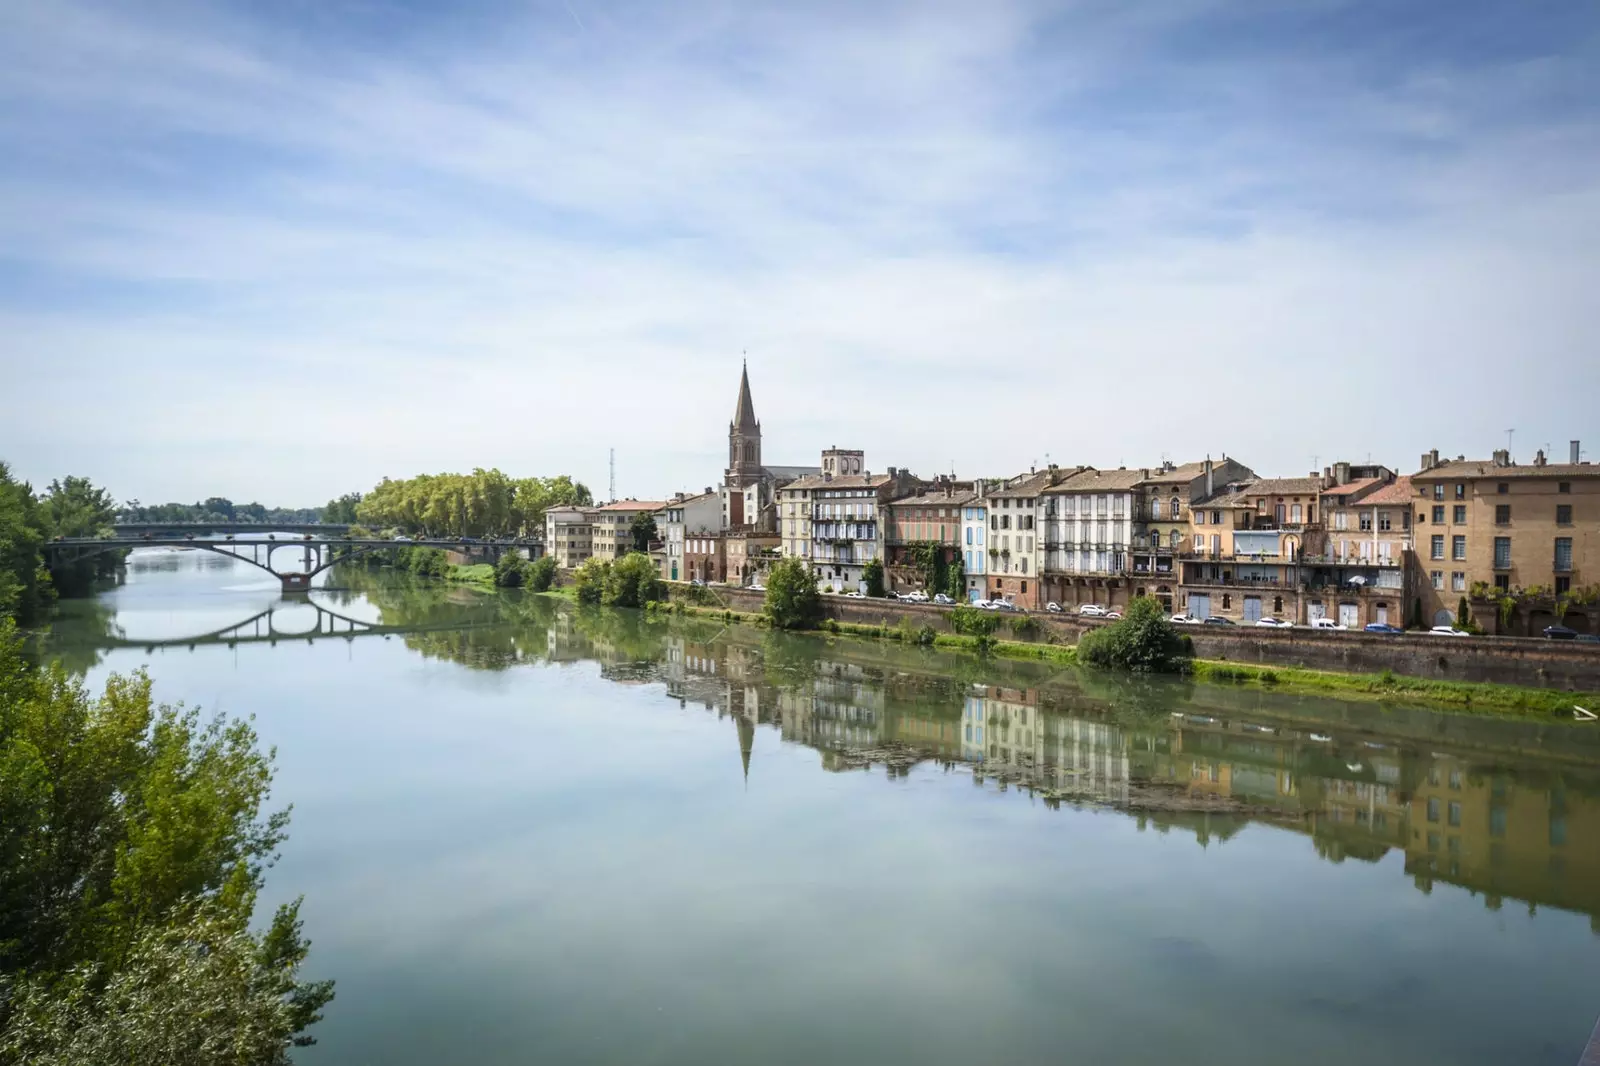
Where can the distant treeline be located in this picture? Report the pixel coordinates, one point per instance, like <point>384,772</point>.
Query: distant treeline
<point>217,509</point>
<point>484,503</point>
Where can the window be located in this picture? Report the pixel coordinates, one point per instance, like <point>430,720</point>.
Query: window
<point>1458,548</point>
<point>1216,518</point>
<point>969,535</point>
<point>1433,808</point>
<point>1405,519</point>
<point>1461,491</point>
<point>1341,521</point>
<point>1564,487</point>
<point>1564,514</point>
<point>1227,601</point>
<point>1563,553</point>
<point>1502,514</point>
<point>1294,513</point>
<point>1458,581</point>
<point>1502,553</point>
<point>1024,584</point>
<point>1458,514</point>
<point>1438,579</point>
<point>1384,524</point>
<point>1155,508</point>
<point>1365,521</point>
<point>1502,488</point>
<point>1453,813</point>
<point>1199,542</point>
<point>1563,586</point>
<point>1438,516</point>
<point>1502,582</point>
<point>1437,549</point>
<point>1438,492</point>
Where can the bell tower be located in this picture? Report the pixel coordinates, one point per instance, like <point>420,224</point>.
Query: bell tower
<point>744,437</point>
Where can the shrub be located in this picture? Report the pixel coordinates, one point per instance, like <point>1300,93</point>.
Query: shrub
<point>589,580</point>
<point>973,622</point>
<point>1143,641</point>
<point>511,570</point>
<point>926,635</point>
<point>632,581</point>
<point>541,573</point>
<point>792,601</point>
<point>1025,628</point>
<point>872,574</point>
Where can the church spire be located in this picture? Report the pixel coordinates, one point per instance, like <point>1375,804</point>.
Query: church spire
<point>744,412</point>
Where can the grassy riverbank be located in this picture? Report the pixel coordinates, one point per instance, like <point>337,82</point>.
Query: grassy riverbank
<point>1460,696</point>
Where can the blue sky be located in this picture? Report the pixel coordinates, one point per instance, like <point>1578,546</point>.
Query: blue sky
<point>278,251</point>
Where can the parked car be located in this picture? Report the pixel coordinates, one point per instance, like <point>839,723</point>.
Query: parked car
<point>943,600</point>
<point>1218,620</point>
<point>1270,622</point>
<point>697,583</point>
<point>1448,631</point>
<point>1325,623</point>
<point>1587,638</point>
<point>1381,627</point>
<point>984,605</point>
<point>1092,610</point>
<point>1005,605</point>
<point>1112,615</point>
<point>756,586</point>
<point>1184,620</point>
<point>399,538</point>
<point>1560,633</point>
<point>1053,607</point>
<point>855,595</point>
<point>464,540</point>
<point>917,597</point>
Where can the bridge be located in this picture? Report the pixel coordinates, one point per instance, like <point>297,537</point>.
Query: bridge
<point>317,555</point>
<point>264,627</point>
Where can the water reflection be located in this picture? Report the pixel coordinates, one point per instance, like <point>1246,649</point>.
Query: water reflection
<point>1503,809</point>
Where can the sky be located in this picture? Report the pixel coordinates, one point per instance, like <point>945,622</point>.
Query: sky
<point>279,251</point>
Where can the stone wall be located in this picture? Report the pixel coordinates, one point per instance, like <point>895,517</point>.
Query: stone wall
<point>1534,663</point>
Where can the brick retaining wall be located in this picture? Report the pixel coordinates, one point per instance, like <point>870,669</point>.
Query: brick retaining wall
<point>1534,663</point>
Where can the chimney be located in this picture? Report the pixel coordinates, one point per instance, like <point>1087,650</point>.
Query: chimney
<point>1502,457</point>
<point>1210,479</point>
<point>1538,457</point>
<point>891,472</point>
<point>1577,453</point>
<point>1341,472</point>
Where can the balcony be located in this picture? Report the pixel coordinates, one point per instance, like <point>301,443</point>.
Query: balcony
<point>1352,560</point>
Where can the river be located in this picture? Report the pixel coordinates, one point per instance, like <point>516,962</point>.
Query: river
<point>529,832</point>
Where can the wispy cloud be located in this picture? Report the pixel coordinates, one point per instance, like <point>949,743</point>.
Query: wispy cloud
<point>378,238</point>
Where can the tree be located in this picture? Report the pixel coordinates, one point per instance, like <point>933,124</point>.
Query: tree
<point>25,589</point>
<point>872,574</point>
<point>1463,614</point>
<point>643,531</point>
<point>1142,641</point>
<point>342,511</point>
<point>633,582</point>
<point>589,580</point>
<point>792,600</point>
<point>955,580</point>
<point>121,824</point>
<point>541,573</point>
<point>75,508</point>
<point>511,570</point>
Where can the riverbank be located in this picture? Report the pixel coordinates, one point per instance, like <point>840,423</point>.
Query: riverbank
<point>1467,697</point>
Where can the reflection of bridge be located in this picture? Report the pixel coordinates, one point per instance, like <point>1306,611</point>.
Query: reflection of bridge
<point>265,628</point>
<point>326,552</point>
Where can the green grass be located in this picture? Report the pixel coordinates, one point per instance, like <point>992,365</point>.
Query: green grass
<point>1474,697</point>
<point>475,574</point>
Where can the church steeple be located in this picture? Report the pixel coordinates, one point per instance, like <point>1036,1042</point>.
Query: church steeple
<point>744,412</point>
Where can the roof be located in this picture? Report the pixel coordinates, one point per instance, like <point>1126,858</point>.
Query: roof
<point>1283,486</point>
<point>1101,481</point>
<point>633,505</point>
<point>1029,484</point>
<point>1180,474</point>
<point>840,481</point>
<point>1486,468</point>
<point>1399,490</point>
<point>780,473</point>
<point>744,412</point>
<point>935,497</point>
<point>1354,489</point>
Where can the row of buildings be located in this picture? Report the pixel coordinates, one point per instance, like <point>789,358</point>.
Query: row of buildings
<point>1358,543</point>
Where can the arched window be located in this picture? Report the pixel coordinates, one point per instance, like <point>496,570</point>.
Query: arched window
<point>749,451</point>
<point>1174,511</point>
<point>1174,538</point>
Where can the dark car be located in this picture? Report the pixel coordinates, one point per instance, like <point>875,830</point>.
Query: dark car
<point>1218,620</point>
<point>1381,627</point>
<point>1560,633</point>
<point>1587,638</point>
<point>469,540</point>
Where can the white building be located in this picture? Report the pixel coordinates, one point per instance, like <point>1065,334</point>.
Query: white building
<point>974,543</point>
<point>569,535</point>
<point>685,516</point>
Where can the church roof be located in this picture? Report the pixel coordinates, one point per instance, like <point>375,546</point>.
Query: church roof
<point>744,412</point>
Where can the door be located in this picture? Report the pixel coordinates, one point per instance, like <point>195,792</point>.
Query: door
<point>1252,609</point>
<point>1383,613</point>
<point>1315,610</point>
<point>1200,605</point>
<point>1350,616</point>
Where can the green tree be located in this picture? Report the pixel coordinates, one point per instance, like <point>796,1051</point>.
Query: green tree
<point>1142,641</point>
<point>541,573</point>
<point>872,574</point>
<point>1463,614</point>
<point>342,511</point>
<point>590,578</point>
<point>632,581</point>
<point>792,600</point>
<point>511,570</point>
<point>75,508</point>
<point>642,530</point>
<point>122,821</point>
<point>25,589</point>
<point>955,580</point>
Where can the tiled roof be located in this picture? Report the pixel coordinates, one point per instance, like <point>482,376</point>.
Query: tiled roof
<point>936,498</point>
<point>1283,486</point>
<point>633,505</point>
<point>1473,468</point>
<point>1183,473</point>
<point>840,481</point>
<point>1101,481</point>
<point>1399,490</point>
<point>1029,484</point>
<point>1353,489</point>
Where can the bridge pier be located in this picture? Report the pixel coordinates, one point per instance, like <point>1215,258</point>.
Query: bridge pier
<point>296,582</point>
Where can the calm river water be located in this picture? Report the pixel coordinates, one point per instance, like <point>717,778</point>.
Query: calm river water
<point>532,833</point>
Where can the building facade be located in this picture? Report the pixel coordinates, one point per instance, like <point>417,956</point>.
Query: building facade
<point>749,556</point>
<point>1244,562</point>
<point>927,520</point>
<point>1012,567</point>
<point>846,516</point>
<point>1088,521</point>
<point>613,526</point>
<point>974,542</point>
<point>569,535</point>
<point>1495,531</point>
<point>705,555</point>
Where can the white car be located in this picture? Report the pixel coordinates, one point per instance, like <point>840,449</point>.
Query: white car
<point>1325,623</point>
<point>1184,620</point>
<point>1112,615</point>
<point>943,600</point>
<point>915,597</point>
<point>400,538</point>
<point>756,588</point>
<point>986,605</point>
<point>1448,631</point>
<point>855,596</point>
<point>1053,607</point>
<point>1274,623</point>
<point>1092,610</point>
